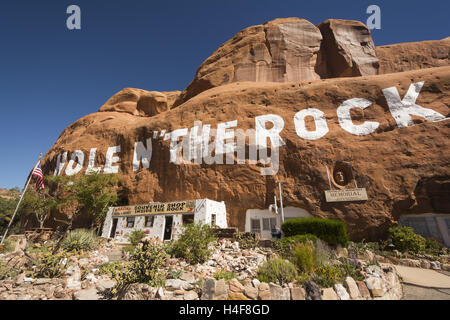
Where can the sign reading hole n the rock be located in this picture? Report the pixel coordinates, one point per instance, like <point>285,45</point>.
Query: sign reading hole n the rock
<point>155,208</point>
<point>358,194</point>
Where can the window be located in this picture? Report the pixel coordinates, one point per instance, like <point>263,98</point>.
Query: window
<point>130,222</point>
<point>188,218</point>
<point>213,220</point>
<point>269,223</point>
<point>255,225</point>
<point>149,221</point>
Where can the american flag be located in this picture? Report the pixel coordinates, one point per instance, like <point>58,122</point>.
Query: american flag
<point>37,172</point>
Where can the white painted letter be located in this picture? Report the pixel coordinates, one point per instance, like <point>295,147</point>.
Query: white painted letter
<point>90,169</point>
<point>110,160</point>
<point>175,145</point>
<point>77,155</point>
<point>60,163</point>
<point>142,154</point>
<point>345,120</point>
<point>402,109</point>
<point>221,145</point>
<point>274,133</point>
<point>73,21</point>
<point>319,120</point>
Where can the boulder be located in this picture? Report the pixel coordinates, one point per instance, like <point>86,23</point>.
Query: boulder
<point>375,285</point>
<point>352,288</point>
<point>329,294</point>
<point>236,296</point>
<point>347,49</point>
<point>235,286</point>
<point>264,291</point>
<point>251,292</point>
<point>73,279</point>
<point>136,291</point>
<point>279,293</point>
<point>312,291</point>
<point>190,295</point>
<point>298,293</point>
<point>364,291</point>
<point>341,292</point>
<point>214,290</point>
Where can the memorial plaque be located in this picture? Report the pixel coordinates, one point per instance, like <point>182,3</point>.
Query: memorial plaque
<point>356,194</point>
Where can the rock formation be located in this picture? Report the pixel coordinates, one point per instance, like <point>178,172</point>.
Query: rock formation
<point>347,49</point>
<point>282,50</point>
<point>414,55</point>
<point>393,162</point>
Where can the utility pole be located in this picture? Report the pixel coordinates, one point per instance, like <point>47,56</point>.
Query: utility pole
<point>281,202</point>
<point>20,200</point>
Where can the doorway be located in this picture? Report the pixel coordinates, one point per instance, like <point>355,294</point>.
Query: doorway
<point>113,229</point>
<point>168,228</point>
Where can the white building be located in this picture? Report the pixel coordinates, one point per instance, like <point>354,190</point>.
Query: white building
<point>262,221</point>
<point>162,220</point>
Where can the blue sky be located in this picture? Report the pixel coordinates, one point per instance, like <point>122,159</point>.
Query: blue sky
<point>51,76</point>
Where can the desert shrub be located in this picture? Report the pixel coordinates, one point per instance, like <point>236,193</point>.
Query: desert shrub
<point>246,241</point>
<point>327,276</point>
<point>432,246</point>
<point>146,266</point>
<point>49,264</point>
<point>304,256</point>
<point>284,246</point>
<point>6,272</point>
<point>7,246</point>
<point>194,243</point>
<point>111,268</point>
<point>226,275</point>
<point>350,270</point>
<point>323,253</point>
<point>404,239</point>
<point>277,270</point>
<point>80,239</point>
<point>136,236</point>
<point>174,274</point>
<point>332,231</point>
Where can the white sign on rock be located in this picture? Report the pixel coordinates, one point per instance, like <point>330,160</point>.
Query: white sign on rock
<point>357,194</point>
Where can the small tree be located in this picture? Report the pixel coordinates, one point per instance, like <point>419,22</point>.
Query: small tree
<point>92,193</point>
<point>40,203</point>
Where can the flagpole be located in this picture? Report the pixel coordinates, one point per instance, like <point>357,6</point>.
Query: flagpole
<point>20,200</point>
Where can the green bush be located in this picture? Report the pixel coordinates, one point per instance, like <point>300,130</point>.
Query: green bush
<point>80,239</point>
<point>332,231</point>
<point>433,247</point>
<point>136,236</point>
<point>246,241</point>
<point>146,266</point>
<point>404,239</point>
<point>277,270</point>
<point>227,275</point>
<point>193,243</point>
<point>304,256</point>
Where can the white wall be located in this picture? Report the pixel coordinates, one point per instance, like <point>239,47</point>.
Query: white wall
<point>289,213</point>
